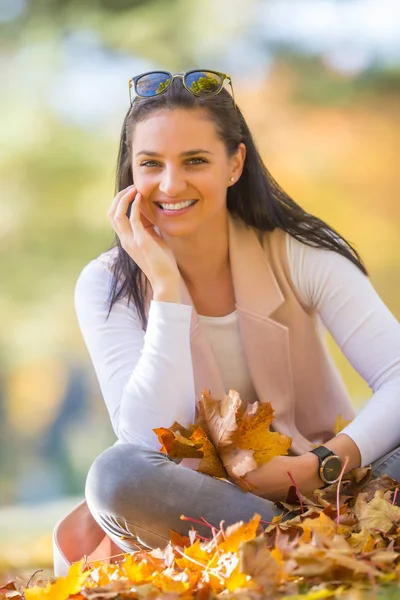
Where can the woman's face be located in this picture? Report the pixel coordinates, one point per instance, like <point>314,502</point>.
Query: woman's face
<point>181,168</point>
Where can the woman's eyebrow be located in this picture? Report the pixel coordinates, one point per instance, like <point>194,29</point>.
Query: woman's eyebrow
<point>186,153</point>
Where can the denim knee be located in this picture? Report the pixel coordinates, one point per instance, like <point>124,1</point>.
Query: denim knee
<point>116,475</point>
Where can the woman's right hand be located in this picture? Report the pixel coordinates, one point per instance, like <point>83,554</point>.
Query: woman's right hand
<point>144,245</point>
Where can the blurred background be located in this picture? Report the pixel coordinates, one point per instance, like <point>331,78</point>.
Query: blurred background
<point>319,84</point>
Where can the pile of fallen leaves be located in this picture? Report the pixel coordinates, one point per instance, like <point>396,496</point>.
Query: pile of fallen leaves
<point>323,545</point>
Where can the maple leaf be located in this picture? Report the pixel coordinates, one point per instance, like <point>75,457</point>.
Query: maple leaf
<point>176,442</point>
<point>219,416</point>
<point>61,589</point>
<point>240,431</point>
<point>179,442</point>
<point>210,463</point>
<point>253,432</point>
<point>194,557</point>
<point>378,513</point>
<point>322,524</point>
<point>170,580</point>
<point>239,532</point>
<point>257,560</point>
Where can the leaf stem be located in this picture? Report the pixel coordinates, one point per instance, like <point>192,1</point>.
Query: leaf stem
<point>338,490</point>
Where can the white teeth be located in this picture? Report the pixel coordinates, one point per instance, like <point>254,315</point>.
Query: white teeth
<point>177,206</point>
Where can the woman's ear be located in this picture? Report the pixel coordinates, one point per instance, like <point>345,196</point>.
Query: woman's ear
<point>238,162</point>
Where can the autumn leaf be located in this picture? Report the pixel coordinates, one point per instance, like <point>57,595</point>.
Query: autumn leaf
<point>179,442</point>
<point>210,463</point>
<point>61,589</point>
<point>241,433</point>
<point>254,434</point>
<point>378,514</point>
<point>219,416</point>
<point>239,532</point>
<point>257,560</point>
<point>194,557</point>
<point>362,541</point>
<point>176,442</point>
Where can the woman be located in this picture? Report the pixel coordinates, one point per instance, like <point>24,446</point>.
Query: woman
<point>219,280</point>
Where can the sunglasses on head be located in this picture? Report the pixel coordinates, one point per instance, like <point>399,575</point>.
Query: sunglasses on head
<point>198,82</point>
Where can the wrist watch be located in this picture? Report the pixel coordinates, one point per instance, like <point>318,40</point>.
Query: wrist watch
<point>330,465</point>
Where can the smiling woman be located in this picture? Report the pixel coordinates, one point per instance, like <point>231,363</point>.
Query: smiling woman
<point>218,280</point>
<point>180,181</point>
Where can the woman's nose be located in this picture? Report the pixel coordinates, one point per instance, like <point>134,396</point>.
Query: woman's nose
<point>172,183</point>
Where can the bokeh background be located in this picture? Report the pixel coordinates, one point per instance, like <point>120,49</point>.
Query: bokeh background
<point>319,83</point>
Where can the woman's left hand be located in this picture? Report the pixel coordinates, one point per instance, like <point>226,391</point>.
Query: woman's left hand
<point>271,480</point>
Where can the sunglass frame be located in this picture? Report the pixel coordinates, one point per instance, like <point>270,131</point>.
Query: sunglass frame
<point>132,83</point>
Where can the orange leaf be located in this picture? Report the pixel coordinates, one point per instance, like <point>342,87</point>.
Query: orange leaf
<point>177,445</point>
<point>240,532</point>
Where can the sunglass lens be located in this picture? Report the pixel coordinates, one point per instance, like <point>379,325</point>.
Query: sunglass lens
<point>203,82</point>
<point>152,84</point>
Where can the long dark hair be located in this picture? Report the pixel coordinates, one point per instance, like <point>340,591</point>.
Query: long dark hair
<point>256,197</point>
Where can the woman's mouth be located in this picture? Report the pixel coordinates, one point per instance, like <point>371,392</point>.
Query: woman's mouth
<point>175,207</point>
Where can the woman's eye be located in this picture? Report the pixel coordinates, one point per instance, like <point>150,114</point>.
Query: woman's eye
<point>201,160</point>
<point>192,161</point>
<point>149,163</point>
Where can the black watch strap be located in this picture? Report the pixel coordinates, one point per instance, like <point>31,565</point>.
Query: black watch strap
<point>322,452</point>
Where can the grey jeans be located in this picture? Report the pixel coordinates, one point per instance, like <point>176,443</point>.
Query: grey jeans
<point>137,495</point>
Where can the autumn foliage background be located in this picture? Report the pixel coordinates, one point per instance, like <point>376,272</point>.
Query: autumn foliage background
<point>325,117</point>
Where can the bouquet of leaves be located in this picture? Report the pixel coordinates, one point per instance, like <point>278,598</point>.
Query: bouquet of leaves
<point>230,438</point>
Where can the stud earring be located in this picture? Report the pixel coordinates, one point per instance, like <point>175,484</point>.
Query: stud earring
<point>232,179</point>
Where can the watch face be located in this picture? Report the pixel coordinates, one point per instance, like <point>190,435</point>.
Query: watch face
<point>331,469</point>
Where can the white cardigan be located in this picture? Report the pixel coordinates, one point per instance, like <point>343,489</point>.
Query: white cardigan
<point>139,373</point>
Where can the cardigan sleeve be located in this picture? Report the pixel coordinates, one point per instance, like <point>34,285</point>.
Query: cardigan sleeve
<point>365,330</point>
<point>146,379</point>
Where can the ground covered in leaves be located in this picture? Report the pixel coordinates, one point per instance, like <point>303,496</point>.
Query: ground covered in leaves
<point>342,541</point>
<point>333,546</point>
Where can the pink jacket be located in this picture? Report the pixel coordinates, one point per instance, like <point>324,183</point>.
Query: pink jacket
<point>287,356</point>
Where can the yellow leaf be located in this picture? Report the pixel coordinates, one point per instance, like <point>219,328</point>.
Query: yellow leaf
<point>140,569</point>
<point>237,580</point>
<point>322,524</point>
<point>63,588</point>
<point>240,532</point>
<point>171,581</point>
<point>361,541</point>
<point>197,554</point>
<point>254,434</point>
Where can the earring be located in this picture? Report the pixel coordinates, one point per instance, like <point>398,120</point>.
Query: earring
<point>232,179</point>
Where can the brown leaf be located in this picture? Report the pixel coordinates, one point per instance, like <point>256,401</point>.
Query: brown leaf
<point>240,431</point>
<point>258,561</point>
<point>210,463</point>
<point>220,416</point>
<point>378,513</point>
